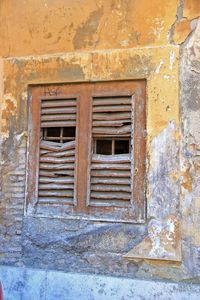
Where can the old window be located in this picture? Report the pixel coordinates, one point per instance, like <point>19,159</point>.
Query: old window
<point>87,151</point>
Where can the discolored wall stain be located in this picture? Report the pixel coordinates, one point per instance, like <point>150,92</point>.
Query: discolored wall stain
<point>87,33</point>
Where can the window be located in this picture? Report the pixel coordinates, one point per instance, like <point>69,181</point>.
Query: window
<point>87,151</point>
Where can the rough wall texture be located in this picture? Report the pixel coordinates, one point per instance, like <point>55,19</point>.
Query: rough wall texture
<point>190,107</point>
<point>145,47</point>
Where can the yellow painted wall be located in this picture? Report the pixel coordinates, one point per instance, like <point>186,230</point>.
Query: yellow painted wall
<point>30,27</point>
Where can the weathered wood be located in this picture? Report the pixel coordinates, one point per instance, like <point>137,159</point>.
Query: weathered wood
<point>111,166</point>
<point>110,173</point>
<point>127,211</point>
<point>56,193</point>
<point>58,103</point>
<point>110,116</point>
<point>60,117</point>
<point>109,159</point>
<point>55,160</point>
<point>110,188</point>
<point>111,101</point>
<point>107,195</point>
<point>112,108</point>
<point>100,135</point>
<point>111,202</point>
<point>51,186</point>
<point>55,173</point>
<point>50,143</point>
<point>56,180</point>
<point>55,200</point>
<point>58,124</point>
<point>47,166</point>
<point>112,131</point>
<point>112,181</point>
<point>117,123</point>
<point>45,153</point>
<point>61,110</point>
<point>53,146</point>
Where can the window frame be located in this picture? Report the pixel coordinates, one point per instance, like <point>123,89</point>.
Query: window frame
<point>84,93</point>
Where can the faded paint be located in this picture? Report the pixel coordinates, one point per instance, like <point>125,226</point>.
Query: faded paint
<point>63,26</point>
<point>190,108</point>
<point>182,30</point>
<point>191,9</point>
<point>163,241</point>
<point>188,11</point>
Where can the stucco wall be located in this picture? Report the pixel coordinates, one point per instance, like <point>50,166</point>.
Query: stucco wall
<point>80,41</point>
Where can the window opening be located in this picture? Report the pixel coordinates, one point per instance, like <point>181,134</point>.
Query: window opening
<point>111,146</point>
<point>122,146</point>
<point>58,134</point>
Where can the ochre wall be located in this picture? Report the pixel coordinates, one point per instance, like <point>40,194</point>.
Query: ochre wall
<point>34,27</point>
<point>85,40</point>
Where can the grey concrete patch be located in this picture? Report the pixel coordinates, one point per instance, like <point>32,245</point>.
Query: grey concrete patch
<point>23,284</point>
<point>80,246</point>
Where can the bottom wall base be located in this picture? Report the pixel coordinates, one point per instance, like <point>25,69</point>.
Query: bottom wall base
<point>33,284</point>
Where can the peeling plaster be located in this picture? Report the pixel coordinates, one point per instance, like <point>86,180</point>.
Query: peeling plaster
<point>190,158</point>
<point>185,23</point>
<point>163,241</point>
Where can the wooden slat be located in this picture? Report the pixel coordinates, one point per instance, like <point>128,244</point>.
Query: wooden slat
<point>109,181</point>
<point>47,166</point>
<point>55,200</point>
<point>56,193</point>
<point>101,202</point>
<point>97,135</point>
<point>53,146</point>
<point>110,117</point>
<point>56,180</point>
<point>110,108</point>
<point>46,153</point>
<point>107,195</point>
<point>58,124</point>
<point>110,173</point>
<point>51,186</point>
<point>61,110</point>
<point>104,123</point>
<point>58,103</point>
<point>55,173</point>
<point>110,166</point>
<point>110,159</point>
<point>112,131</point>
<point>112,101</point>
<point>55,160</point>
<point>110,188</point>
<point>60,117</point>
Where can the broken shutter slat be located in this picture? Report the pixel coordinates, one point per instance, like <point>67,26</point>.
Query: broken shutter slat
<point>110,181</point>
<point>57,159</point>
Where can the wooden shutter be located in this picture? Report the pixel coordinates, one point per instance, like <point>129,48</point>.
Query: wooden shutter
<point>111,175</point>
<point>58,112</point>
<point>57,159</point>
<point>65,178</point>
